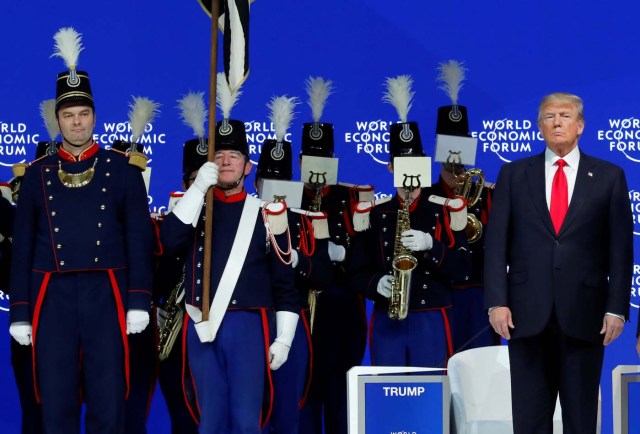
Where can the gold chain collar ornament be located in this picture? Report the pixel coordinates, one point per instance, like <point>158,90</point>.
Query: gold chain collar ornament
<point>76,180</point>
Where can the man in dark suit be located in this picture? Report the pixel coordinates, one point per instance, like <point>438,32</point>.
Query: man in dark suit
<point>558,267</point>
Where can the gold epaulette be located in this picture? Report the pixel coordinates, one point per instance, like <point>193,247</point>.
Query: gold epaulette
<point>457,208</point>
<point>361,211</point>
<point>276,213</point>
<point>19,169</point>
<point>136,158</point>
<point>319,221</point>
<point>365,192</point>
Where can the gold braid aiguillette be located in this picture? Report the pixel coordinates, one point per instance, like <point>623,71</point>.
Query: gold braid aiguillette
<point>76,180</point>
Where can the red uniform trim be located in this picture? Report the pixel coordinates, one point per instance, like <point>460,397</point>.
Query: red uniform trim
<point>447,330</point>
<point>265,328</point>
<point>195,412</point>
<point>123,328</point>
<point>219,195</point>
<point>307,329</point>
<point>34,332</point>
<point>86,154</point>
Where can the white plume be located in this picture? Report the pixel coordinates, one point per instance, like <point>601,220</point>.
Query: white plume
<point>142,111</point>
<point>68,46</point>
<point>193,111</point>
<point>318,90</point>
<point>399,94</point>
<point>48,114</point>
<point>225,98</point>
<point>281,114</point>
<point>452,75</point>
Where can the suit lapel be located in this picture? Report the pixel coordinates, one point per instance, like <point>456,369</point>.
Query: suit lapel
<point>536,180</point>
<point>584,185</point>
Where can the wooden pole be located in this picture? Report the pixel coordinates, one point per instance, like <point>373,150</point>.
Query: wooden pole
<point>208,229</point>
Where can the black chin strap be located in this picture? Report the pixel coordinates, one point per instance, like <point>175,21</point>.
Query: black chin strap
<point>230,186</point>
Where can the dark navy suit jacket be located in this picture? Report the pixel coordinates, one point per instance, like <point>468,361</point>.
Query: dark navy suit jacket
<point>582,272</point>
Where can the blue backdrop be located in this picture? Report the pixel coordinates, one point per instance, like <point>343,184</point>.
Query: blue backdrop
<point>515,53</point>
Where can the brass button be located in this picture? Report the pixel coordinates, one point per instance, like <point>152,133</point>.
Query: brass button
<point>95,259</point>
<point>58,246</point>
<point>53,213</point>
<point>102,207</point>
<point>61,263</point>
<point>56,229</point>
<point>99,225</point>
<point>98,243</point>
<point>50,197</point>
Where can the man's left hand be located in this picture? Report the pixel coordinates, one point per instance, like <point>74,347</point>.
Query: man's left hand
<point>416,241</point>
<point>611,328</point>
<point>137,320</point>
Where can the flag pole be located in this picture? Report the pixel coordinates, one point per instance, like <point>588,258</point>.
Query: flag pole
<point>206,278</point>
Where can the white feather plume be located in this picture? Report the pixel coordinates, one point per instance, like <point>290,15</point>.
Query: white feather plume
<point>318,90</point>
<point>193,111</point>
<point>452,74</point>
<point>399,94</point>
<point>68,46</point>
<point>281,114</point>
<point>142,111</point>
<point>225,97</point>
<point>48,114</point>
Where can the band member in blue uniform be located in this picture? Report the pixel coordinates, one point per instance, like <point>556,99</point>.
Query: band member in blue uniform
<point>142,346</point>
<point>311,263</point>
<point>81,266</point>
<point>232,354</point>
<point>423,338</point>
<point>21,356</point>
<point>470,326</point>
<point>340,325</point>
<point>169,290</point>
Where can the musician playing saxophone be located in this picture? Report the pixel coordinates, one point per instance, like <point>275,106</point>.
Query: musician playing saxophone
<point>422,338</point>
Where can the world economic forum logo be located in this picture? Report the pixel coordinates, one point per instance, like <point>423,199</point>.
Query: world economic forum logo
<point>623,136</point>
<point>17,143</point>
<point>509,139</point>
<point>635,286</point>
<point>370,138</point>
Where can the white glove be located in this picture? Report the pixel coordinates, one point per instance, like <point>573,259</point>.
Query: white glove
<point>336,252</point>
<point>384,286</point>
<point>294,258</point>
<point>21,332</point>
<point>137,320</point>
<point>416,241</point>
<point>207,176</point>
<point>286,323</point>
<point>189,206</point>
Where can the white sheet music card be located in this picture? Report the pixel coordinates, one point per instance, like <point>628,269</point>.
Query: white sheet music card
<point>319,170</point>
<point>272,190</point>
<point>412,172</point>
<point>456,149</point>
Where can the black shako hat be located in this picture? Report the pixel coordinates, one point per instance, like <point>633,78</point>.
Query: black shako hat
<point>317,139</point>
<point>231,135</point>
<point>194,155</point>
<point>73,88</point>
<point>404,140</point>
<point>275,160</point>
<point>452,121</point>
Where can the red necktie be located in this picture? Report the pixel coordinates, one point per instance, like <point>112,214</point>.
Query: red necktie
<point>559,196</point>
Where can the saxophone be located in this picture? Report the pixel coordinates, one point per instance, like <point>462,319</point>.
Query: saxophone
<point>403,264</point>
<point>169,329</point>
